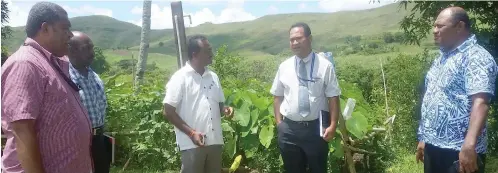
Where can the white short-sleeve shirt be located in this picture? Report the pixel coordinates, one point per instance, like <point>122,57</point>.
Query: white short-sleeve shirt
<point>196,99</point>
<point>286,84</point>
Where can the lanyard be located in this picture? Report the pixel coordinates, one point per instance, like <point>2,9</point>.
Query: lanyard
<point>52,63</point>
<point>311,70</point>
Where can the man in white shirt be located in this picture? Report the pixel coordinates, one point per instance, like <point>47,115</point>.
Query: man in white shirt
<point>193,104</point>
<point>305,85</point>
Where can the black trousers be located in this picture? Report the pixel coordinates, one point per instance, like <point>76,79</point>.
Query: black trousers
<point>302,147</point>
<point>439,160</point>
<point>101,154</point>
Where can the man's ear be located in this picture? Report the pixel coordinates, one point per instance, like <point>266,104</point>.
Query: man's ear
<point>45,27</point>
<point>310,38</point>
<point>461,26</point>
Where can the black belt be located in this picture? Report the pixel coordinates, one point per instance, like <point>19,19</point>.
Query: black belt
<point>98,131</point>
<point>304,123</point>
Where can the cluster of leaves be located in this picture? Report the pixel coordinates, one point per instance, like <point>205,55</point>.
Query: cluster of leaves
<point>99,65</point>
<point>6,31</point>
<point>143,135</point>
<point>357,45</point>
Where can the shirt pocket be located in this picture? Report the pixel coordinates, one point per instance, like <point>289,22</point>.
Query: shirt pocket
<point>316,88</point>
<point>213,92</point>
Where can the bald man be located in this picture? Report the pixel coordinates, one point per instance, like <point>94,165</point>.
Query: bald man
<point>459,87</point>
<point>92,95</point>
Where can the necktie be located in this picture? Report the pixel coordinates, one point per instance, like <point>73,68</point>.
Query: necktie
<point>304,104</point>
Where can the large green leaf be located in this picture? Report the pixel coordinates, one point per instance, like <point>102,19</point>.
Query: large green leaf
<point>246,96</point>
<point>350,90</point>
<point>261,103</point>
<point>242,115</point>
<point>271,110</point>
<point>361,109</point>
<point>336,147</point>
<point>343,105</point>
<point>254,130</point>
<point>254,117</point>
<point>230,145</point>
<point>266,135</point>
<point>357,124</point>
<point>250,145</point>
<point>264,115</point>
<point>226,127</point>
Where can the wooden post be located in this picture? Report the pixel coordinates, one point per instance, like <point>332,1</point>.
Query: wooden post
<point>179,33</point>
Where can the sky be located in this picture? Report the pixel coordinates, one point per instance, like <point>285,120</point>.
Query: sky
<point>201,11</point>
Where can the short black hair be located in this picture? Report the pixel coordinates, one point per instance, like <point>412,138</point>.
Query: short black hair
<point>43,12</point>
<point>194,44</point>
<point>306,28</point>
<point>460,15</point>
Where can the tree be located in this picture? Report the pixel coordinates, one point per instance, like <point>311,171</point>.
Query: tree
<point>161,44</point>
<point>99,65</point>
<point>6,31</point>
<point>144,45</point>
<point>483,14</point>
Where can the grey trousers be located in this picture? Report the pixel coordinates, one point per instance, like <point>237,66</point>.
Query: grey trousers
<point>205,159</point>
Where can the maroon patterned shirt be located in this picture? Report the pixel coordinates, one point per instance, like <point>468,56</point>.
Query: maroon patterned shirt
<point>33,89</point>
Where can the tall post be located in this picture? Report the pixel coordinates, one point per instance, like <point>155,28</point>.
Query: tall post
<point>179,33</point>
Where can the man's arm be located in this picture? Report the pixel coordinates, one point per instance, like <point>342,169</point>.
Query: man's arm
<point>174,96</point>
<point>332,92</point>
<point>277,100</point>
<point>478,116</point>
<point>23,91</point>
<point>27,149</point>
<point>480,79</point>
<point>171,115</point>
<point>277,89</point>
<point>334,111</point>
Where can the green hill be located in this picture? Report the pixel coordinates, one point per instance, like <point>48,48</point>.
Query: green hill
<point>265,35</point>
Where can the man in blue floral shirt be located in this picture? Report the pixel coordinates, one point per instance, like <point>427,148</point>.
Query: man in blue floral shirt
<point>459,87</point>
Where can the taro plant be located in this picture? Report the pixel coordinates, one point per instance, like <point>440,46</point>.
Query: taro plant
<point>253,125</point>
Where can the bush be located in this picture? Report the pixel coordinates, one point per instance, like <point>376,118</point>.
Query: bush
<point>143,136</point>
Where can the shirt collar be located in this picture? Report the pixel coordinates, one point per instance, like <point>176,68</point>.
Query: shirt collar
<point>76,74</point>
<point>32,42</point>
<point>308,58</point>
<point>191,69</point>
<point>469,42</point>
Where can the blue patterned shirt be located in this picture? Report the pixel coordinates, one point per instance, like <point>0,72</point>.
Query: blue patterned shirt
<point>450,82</point>
<point>92,94</point>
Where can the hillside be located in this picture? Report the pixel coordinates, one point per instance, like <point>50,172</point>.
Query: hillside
<point>266,35</point>
<point>106,32</point>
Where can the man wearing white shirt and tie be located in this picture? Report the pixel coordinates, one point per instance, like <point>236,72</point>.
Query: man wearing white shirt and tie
<point>304,86</point>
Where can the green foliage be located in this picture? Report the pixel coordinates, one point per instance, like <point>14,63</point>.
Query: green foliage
<point>397,37</point>
<point>142,133</point>
<point>483,16</point>
<point>99,64</point>
<point>5,54</point>
<point>6,31</point>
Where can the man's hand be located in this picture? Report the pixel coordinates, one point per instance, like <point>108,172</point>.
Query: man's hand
<point>329,134</point>
<point>228,112</point>
<point>198,138</point>
<point>420,152</point>
<point>468,159</point>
